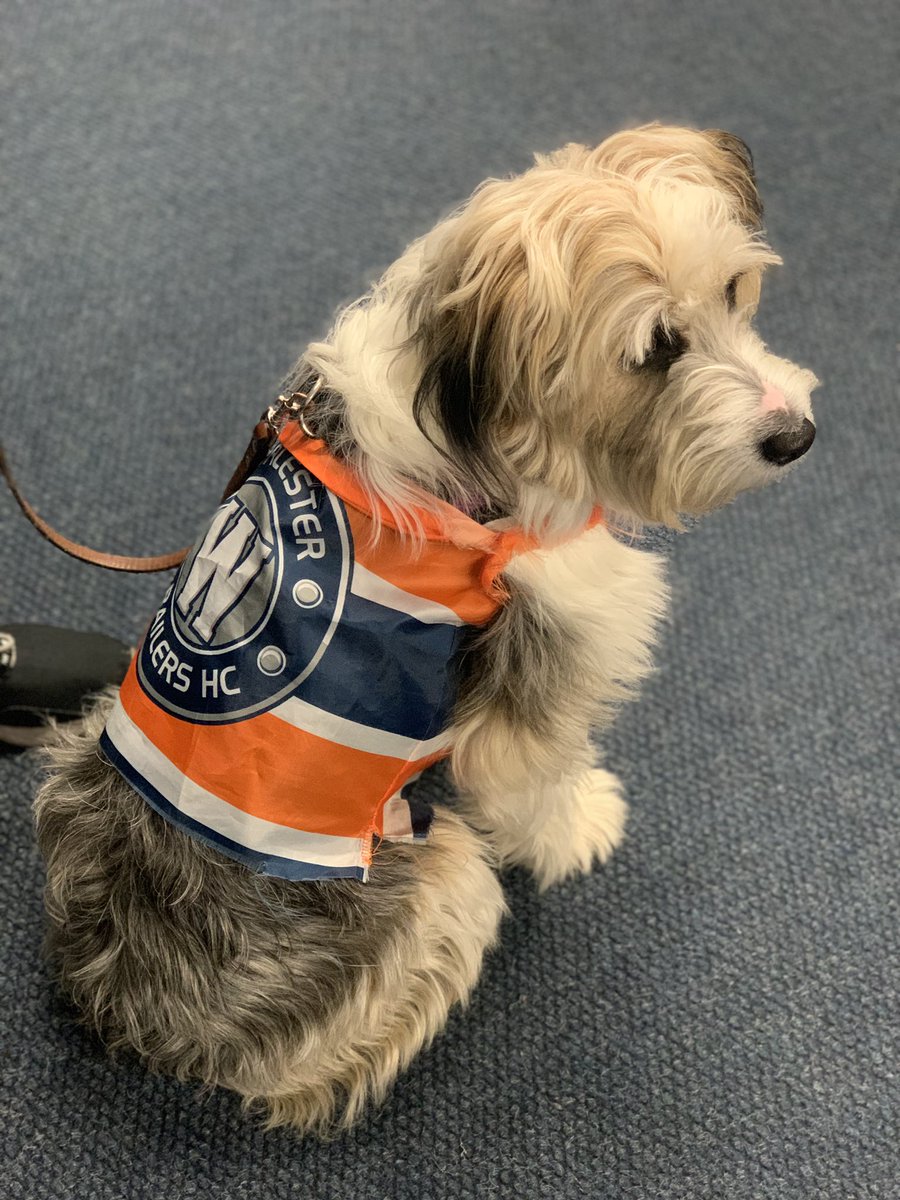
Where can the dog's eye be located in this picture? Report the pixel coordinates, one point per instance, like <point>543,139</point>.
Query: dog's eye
<point>667,346</point>
<point>731,292</point>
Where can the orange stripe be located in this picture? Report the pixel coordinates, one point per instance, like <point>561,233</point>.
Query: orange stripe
<point>267,768</point>
<point>444,573</point>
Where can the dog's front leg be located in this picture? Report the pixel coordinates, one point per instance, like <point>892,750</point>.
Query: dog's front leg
<point>570,644</point>
<point>555,829</point>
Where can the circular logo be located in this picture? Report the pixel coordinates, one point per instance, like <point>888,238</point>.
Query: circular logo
<point>256,602</point>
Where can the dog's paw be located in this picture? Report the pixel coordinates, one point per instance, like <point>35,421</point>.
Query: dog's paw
<point>587,829</point>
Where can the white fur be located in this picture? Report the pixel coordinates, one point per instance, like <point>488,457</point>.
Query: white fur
<point>542,803</point>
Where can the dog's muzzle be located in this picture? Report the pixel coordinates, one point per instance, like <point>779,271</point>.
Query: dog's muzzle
<point>788,444</point>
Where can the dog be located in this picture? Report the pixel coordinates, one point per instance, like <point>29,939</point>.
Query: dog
<point>568,354</point>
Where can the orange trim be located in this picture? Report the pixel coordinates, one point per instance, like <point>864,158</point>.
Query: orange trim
<point>460,564</point>
<point>441,522</point>
<point>516,541</point>
<point>270,769</point>
<point>445,572</point>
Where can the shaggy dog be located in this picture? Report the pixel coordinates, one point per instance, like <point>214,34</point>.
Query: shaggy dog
<point>574,337</point>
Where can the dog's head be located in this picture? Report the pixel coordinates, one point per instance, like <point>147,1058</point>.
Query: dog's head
<point>584,331</point>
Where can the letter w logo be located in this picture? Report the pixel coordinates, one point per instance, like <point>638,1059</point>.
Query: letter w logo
<point>233,553</point>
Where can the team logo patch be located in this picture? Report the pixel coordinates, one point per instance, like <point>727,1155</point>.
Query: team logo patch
<point>256,602</point>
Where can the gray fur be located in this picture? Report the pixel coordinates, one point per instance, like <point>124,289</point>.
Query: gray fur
<point>213,973</point>
<point>522,666</point>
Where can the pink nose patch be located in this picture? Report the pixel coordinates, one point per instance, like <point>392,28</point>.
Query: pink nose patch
<point>773,399</point>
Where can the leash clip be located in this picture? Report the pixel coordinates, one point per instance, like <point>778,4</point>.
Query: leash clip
<point>295,406</point>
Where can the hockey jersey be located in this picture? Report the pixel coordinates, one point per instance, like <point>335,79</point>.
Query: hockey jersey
<point>300,672</point>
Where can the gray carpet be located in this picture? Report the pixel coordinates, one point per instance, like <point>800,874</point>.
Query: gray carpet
<point>189,191</point>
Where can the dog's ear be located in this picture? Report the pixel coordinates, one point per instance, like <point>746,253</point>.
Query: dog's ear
<point>491,324</point>
<point>732,164</point>
<point>458,392</point>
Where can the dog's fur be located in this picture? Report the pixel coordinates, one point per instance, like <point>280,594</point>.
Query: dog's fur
<point>577,335</point>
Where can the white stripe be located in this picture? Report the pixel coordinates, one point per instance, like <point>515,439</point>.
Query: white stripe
<point>396,820</point>
<point>265,837</point>
<point>354,736</point>
<point>370,586</point>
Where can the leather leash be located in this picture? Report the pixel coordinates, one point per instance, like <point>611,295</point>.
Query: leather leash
<point>291,407</point>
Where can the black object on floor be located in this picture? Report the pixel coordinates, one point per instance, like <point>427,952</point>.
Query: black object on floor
<point>46,672</point>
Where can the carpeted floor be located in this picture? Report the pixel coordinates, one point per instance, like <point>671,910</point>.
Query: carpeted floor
<point>189,191</point>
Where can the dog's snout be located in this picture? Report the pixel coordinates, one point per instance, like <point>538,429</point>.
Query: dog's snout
<point>783,447</point>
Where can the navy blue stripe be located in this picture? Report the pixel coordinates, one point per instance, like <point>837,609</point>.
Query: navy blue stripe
<point>382,668</point>
<point>261,864</point>
<point>387,670</point>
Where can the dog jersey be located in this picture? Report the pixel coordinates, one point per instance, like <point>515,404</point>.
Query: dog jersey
<point>300,671</point>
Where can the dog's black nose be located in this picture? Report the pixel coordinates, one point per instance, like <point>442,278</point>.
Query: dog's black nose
<point>782,448</point>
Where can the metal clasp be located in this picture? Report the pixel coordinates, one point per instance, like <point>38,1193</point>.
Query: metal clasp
<point>294,407</point>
